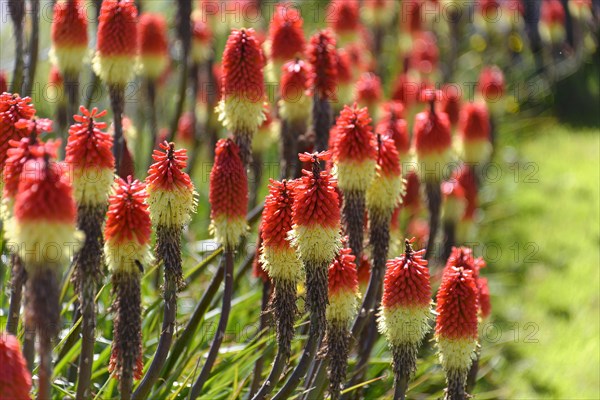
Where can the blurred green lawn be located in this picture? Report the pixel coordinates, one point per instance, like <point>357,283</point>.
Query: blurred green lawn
<point>545,284</point>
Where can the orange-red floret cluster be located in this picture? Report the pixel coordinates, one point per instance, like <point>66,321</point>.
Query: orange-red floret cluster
<point>88,145</point>
<point>243,62</point>
<point>128,218</point>
<point>228,193</point>
<point>117,28</point>
<point>277,216</point>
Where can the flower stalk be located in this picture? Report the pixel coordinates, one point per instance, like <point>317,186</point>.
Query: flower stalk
<point>127,234</point>
<point>172,200</point>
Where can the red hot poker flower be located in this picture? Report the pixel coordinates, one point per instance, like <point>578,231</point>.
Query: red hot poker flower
<point>171,194</point>
<point>69,35</point>
<point>278,257</point>
<point>345,18</point>
<point>354,149</point>
<point>243,87</point>
<point>321,56</point>
<point>451,103</point>
<point>491,83</point>
<point>285,31</point>
<point>128,220</point>
<point>475,133</point>
<point>368,90</point>
<point>295,104</point>
<point>201,38</point>
<point>465,177</point>
<point>228,194</point>
<point>152,40</point>
<point>385,192</point>
<point>456,324</point>
<point>432,140</point>
<point>12,109</point>
<point>15,379</point>
<point>117,41</point>
<point>462,257</point>
<point>406,302</point>
<point>316,212</point>
<point>19,153</point>
<point>343,288</point>
<point>89,152</point>
<point>393,125</point>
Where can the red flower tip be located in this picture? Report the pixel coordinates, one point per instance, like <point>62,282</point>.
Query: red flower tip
<point>393,125</point>
<point>15,379</point>
<point>17,155</point>
<point>388,160</point>
<point>200,29</point>
<point>12,109</point>
<point>368,89</point>
<point>425,53</point>
<point>344,66</point>
<point>465,177</point>
<point>342,273</point>
<point>287,37</point>
<point>457,305</point>
<point>552,12</point>
<point>412,196</point>
<point>451,103</point>
<point>228,193</point>
<point>294,80</point>
<point>69,24</point>
<point>117,28</point>
<point>185,127</point>
<point>344,16</point>
<point>321,56</point>
<point>315,157</point>
<point>354,139</point>
<point>491,83</point>
<point>167,172</point>
<point>277,215</point>
<point>152,35</point>
<point>243,63</point>
<point>431,130</point>
<point>316,200</point>
<point>89,145</point>
<point>406,282</point>
<point>474,122</point>
<point>128,218</point>
<point>43,193</point>
<point>55,77</point>
<point>462,257</point>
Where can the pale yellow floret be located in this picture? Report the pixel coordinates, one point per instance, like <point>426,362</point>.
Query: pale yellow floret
<point>553,33</point>
<point>241,114</point>
<point>115,70</point>
<point>343,95</point>
<point>200,51</point>
<point>296,109</point>
<point>152,65</point>
<point>127,257</point>
<point>265,137</point>
<point>385,193</point>
<point>475,151</point>
<point>69,59</point>
<point>228,230</point>
<point>404,325</point>
<point>6,207</point>
<point>172,208</point>
<point>355,176</point>
<point>281,263</point>
<point>433,167</point>
<point>316,243</point>
<point>380,16</point>
<point>453,209</point>
<point>42,242</point>
<point>343,307</point>
<point>456,354</point>
<point>91,186</point>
